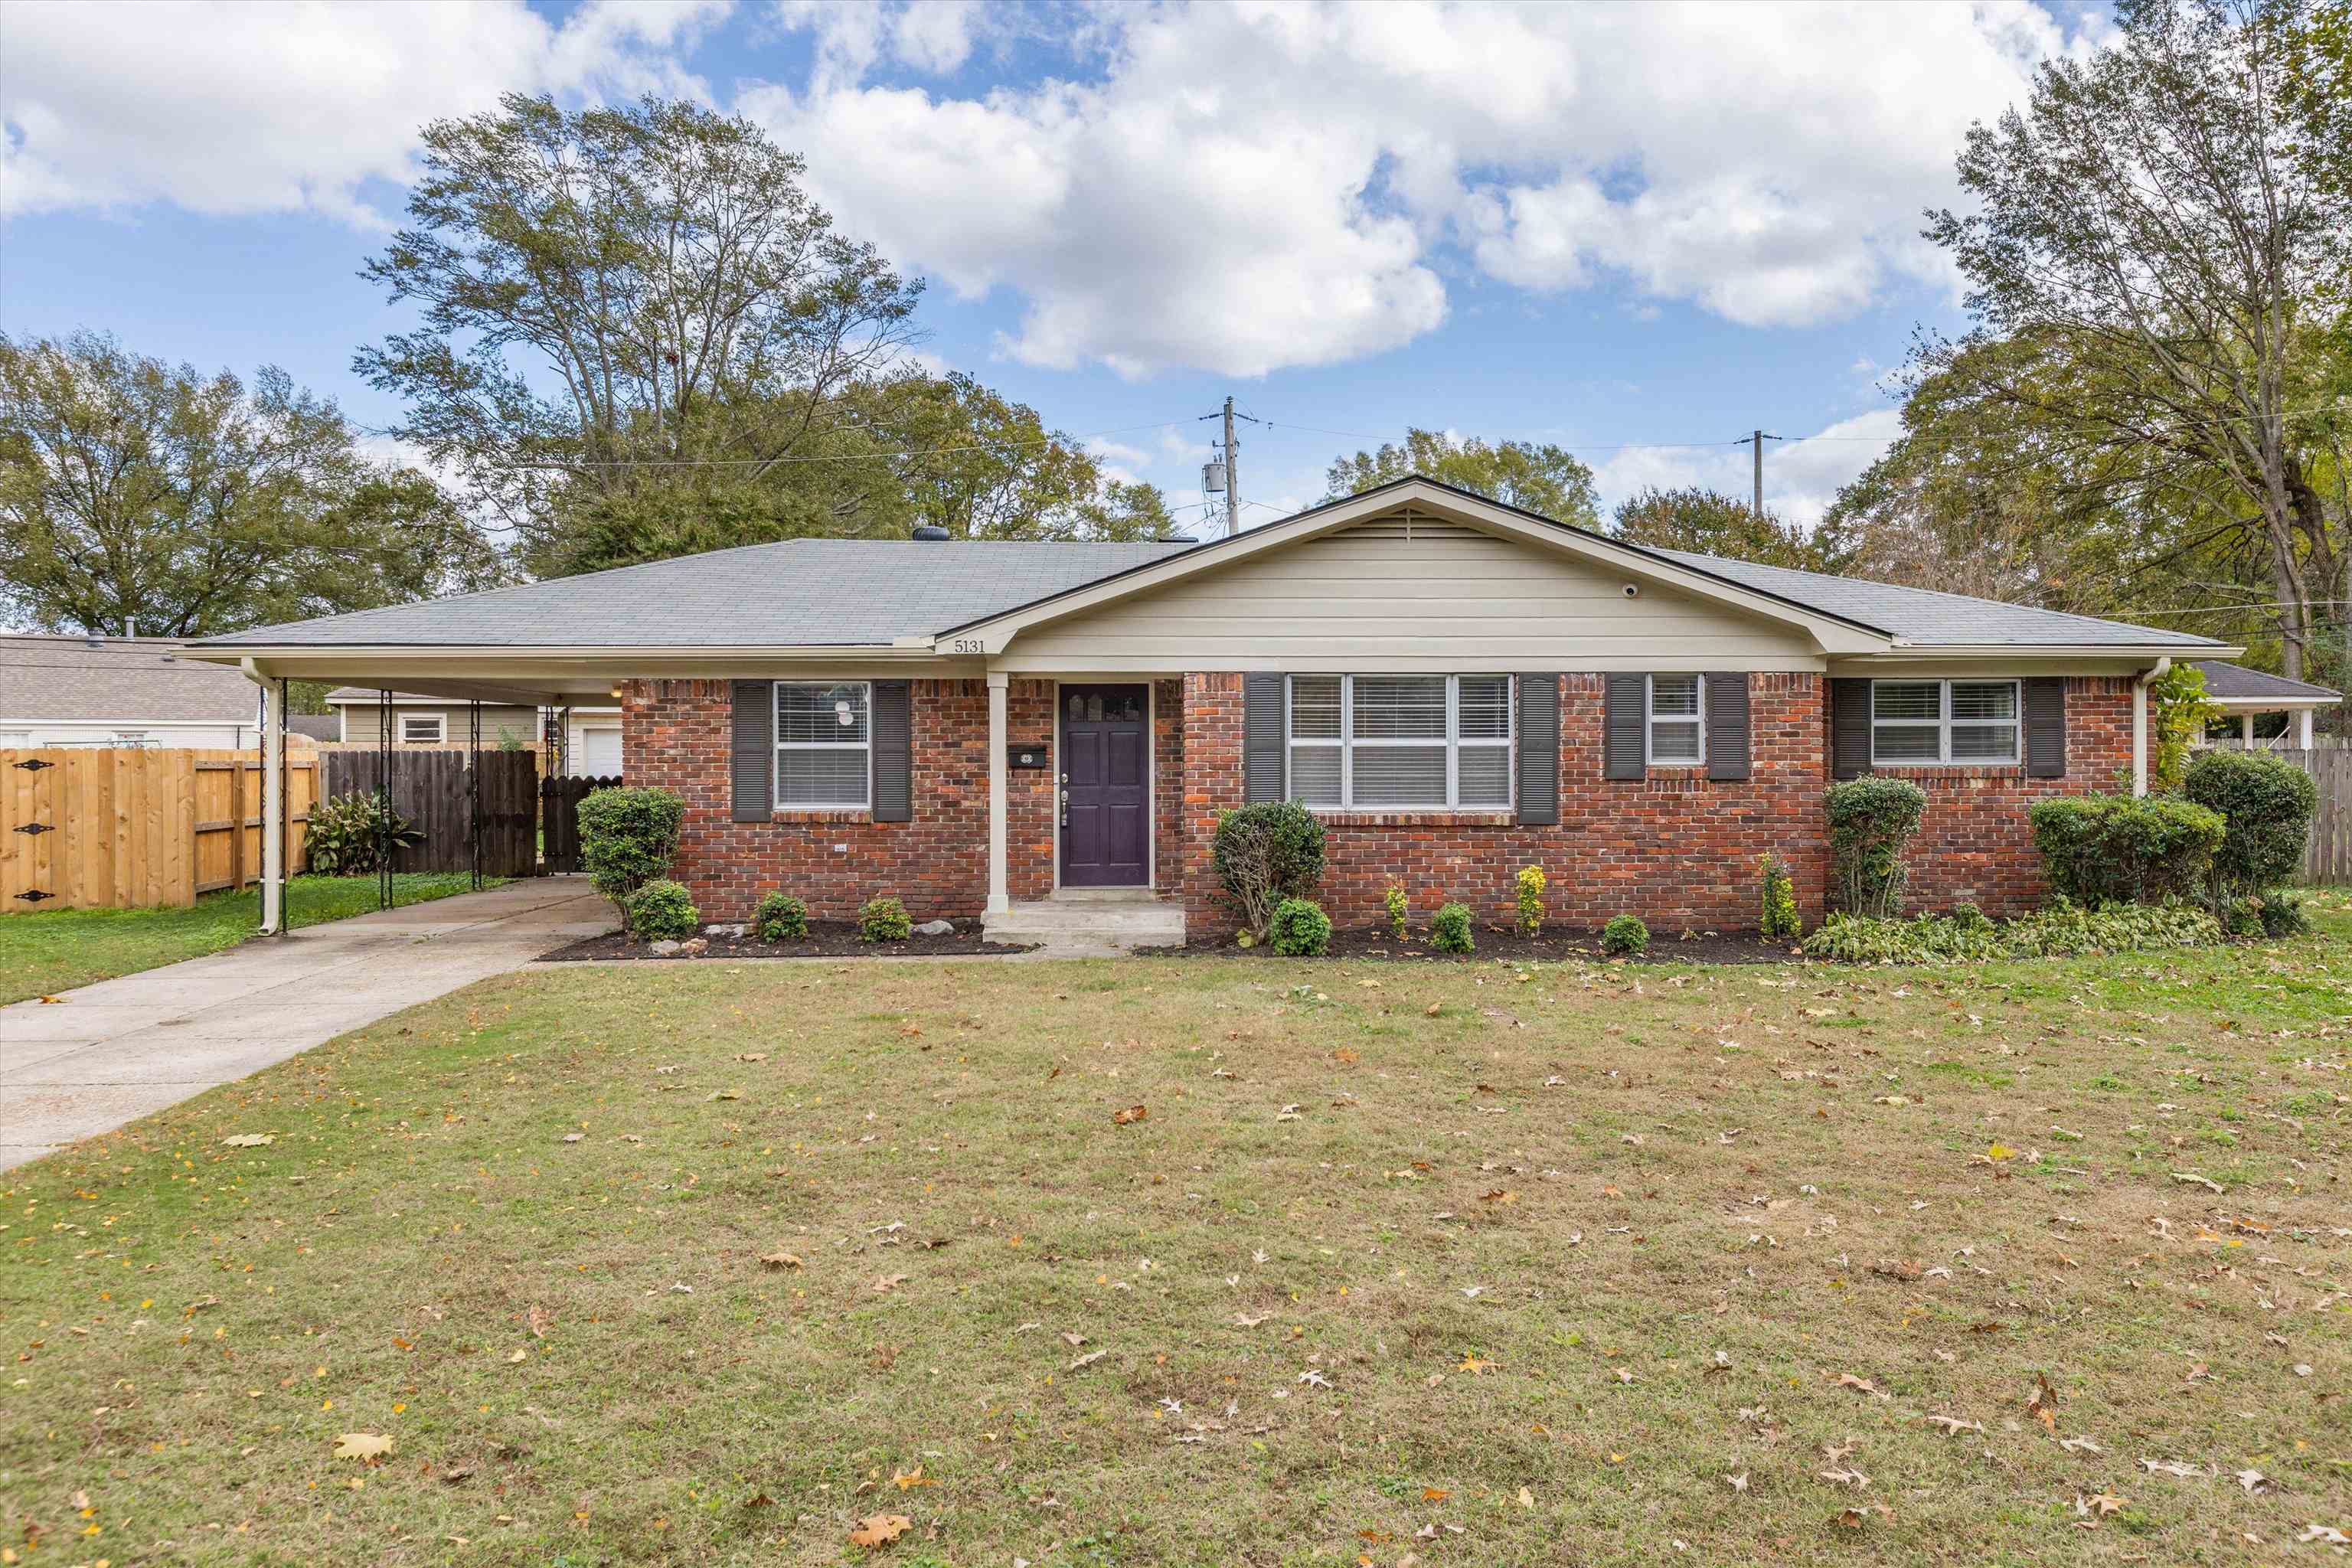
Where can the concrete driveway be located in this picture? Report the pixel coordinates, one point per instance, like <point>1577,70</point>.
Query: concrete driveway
<point>123,1048</point>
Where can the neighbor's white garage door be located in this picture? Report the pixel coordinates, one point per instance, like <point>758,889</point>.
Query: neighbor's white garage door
<point>600,752</point>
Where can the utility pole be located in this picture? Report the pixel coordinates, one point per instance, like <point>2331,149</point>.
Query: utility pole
<point>1229,458</point>
<point>1758,438</point>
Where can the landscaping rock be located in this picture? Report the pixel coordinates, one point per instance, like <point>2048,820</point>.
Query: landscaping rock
<point>936,928</point>
<point>723,931</point>
<point>666,948</point>
<point>695,944</point>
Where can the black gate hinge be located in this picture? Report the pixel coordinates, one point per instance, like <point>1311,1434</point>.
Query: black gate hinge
<point>34,765</point>
<point>36,828</point>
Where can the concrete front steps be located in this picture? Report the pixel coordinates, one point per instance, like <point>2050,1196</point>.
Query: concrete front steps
<point>1091,922</point>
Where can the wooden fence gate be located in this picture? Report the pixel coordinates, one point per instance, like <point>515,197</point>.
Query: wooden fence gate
<point>559,802</point>
<point>432,790</point>
<point>86,827</point>
<point>2327,855</point>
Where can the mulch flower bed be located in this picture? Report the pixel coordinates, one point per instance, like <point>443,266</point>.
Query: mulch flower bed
<point>1495,942</point>
<point>827,938</point>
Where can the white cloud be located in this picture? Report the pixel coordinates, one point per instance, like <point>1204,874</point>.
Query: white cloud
<point>1246,186</point>
<point>229,108</point>
<point>1802,477</point>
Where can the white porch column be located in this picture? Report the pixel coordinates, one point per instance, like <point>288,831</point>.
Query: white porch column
<point>2303,729</point>
<point>2246,730</point>
<point>273,804</point>
<point>2139,736</point>
<point>999,902</point>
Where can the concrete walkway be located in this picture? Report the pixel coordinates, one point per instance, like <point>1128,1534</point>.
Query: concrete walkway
<point>123,1048</point>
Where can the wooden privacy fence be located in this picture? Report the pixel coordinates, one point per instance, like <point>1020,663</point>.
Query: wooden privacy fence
<point>558,801</point>
<point>133,827</point>
<point>432,790</point>
<point>2327,856</point>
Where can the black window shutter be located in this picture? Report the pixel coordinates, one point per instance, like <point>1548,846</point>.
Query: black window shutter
<point>752,766</point>
<point>2045,727</point>
<point>1266,727</point>
<point>1726,726</point>
<point>1849,729</point>
<point>894,770</point>
<point>1539,751</point>
<point>1622,748</point>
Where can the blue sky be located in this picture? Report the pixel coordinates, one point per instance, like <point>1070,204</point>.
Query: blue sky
<point>1638,231</point>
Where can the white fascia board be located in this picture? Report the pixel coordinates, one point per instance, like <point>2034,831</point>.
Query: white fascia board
<point>991,636</point>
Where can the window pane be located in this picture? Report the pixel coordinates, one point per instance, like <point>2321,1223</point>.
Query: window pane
<point>812,712</point>
<point>1315,707</point>
<point>1904,743</point>
<point>1984,699</point>
<point>1675,741</point>
<point>1398,775</point>
<point>1315,775</point>
<point>1906,699</point>
<point>1983,743</point>
<point>1401,708</point>
<point>1484,775</point>
<point>823,775</point>
<point>1676,694</point>
<point>1485,711</point>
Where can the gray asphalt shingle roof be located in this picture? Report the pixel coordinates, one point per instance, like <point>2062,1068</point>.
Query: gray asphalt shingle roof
<point>118,680</point>
<point>807,593</point>
<point>2223,679</point>
<point>1927,619</point>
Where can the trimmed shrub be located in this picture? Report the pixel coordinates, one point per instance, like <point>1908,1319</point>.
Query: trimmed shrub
<point>663,910</point>
<point>1450,931</point>
<point>884,919</point>
<point>1530,882</point>
<point>1776,918</point>
<point>1625,936</point>
<point>1871,819</point>
<point>780,916</point>
<point>1264,854</point>
<point>2099,849</point>
<point>2282,914</point>
<point>628,837</point>
<point>1301,929</point>
<point>2064,928</point>
<point>2266,803</point>
<point>1399,907</point>
<point>347,835</point>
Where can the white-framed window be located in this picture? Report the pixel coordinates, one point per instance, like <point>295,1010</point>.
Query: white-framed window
<point>1922,722</point>
<point>1674,721</point>
<point>824,744</point>
<point>424,729</point>
<point>1400,743</point>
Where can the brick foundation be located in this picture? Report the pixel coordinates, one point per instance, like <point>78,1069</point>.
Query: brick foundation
<point>1676,847</point>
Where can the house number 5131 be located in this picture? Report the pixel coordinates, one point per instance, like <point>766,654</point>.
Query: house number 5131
<point>967,645</point>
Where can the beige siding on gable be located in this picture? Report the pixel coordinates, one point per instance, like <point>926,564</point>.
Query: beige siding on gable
<point>1436,598</point>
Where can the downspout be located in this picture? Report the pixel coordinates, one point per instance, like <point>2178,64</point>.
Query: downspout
<point>2139,721</point>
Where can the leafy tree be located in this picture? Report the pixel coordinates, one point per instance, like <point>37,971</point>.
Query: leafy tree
<point>1545,480</point>
<point>133,492</point>
<point>2168,222</point>
<point>617,298</point>
<point>1713,524</point>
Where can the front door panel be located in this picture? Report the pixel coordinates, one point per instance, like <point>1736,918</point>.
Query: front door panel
<point>1106,760</point>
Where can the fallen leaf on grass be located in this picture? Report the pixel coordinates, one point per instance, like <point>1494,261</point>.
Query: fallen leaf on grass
<point>2194,1179</point>
<point>725,1094</point>
<point>1133,1113</point>
<point>889,1282</point>
<point>2186,1473</point>
<point>2256,1482</point>
<point>751,1056</point>
<point>907,1480</point>
<point>1499,1195</point>
<point>880,1530</point>
<point>781,1260</point>
<point>361,1446</point>
<point>539,1318</point>
<point>1861,1385</point>
<point>1087,1360</point>
<point>1738,1483</point>
<point>2043,1404</point>
<point>1855,1478</point>
<point>1429,1012</point>
<point>2323,1535</point>
<point>1953,1425</point>
<point>249,1139</point>
<point>2080,1445</point>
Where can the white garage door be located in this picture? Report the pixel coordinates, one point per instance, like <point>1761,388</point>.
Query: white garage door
<point>600,752</point>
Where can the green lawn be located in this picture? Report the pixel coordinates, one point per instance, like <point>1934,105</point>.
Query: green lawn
<point>42,952</point>
<point>1404,1264</point>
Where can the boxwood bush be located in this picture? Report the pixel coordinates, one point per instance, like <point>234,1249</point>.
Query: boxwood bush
<point>884,919</point>
<point>1301,929</point>
<point>628,837</point>
<point>1264,853</point>
<point>1625,936</point>
<point>1871,820</point>
<point>1450,931</point>
<point>2099,849</point>
<point>2266,803</point>
<point>661,909</point>
<point>780,916</point>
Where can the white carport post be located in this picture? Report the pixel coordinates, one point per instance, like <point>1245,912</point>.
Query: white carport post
<point>273,800</point>
<point>998,901</point>
<point>2246,730</point>
<point>2303,728</point>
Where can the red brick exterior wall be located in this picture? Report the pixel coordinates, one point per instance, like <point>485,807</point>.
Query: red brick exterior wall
<point>1676,847</point>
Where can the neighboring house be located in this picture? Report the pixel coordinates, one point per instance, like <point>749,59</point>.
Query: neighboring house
<point>315,727</point>
<point>1459,688</point>
<point>121,692</point>
<point>593,746</point>
<point>2243,694</point>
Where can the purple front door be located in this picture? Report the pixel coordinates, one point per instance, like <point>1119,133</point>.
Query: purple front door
<point>1106,759</point>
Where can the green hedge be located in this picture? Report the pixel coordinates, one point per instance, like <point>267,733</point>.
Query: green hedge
<point>1872,819</point>
<point>1264,853</point>
<point>663,910</point>
<point>1625,936</point>
<point>628,837</point>
<point>2268,803</point>
<point>2101,849</point>
<point>1969,938</point>
<point>1301,929</point>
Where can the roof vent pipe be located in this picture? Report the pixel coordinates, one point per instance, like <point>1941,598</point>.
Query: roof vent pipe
<point>931,533</point>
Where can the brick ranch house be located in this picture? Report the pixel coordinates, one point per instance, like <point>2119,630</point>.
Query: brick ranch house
<point>1460,689</point>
